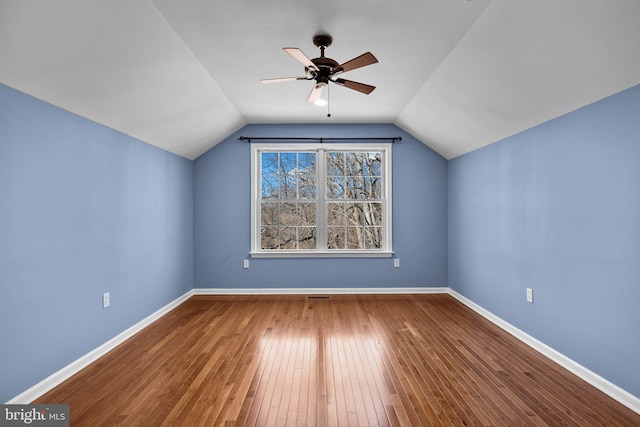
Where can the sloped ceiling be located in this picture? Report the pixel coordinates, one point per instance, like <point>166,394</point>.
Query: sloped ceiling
<point>183,75</point>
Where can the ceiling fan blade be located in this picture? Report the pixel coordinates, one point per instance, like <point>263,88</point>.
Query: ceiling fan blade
<point>358,62</point>
<point>300,56</point>
<point>360,87</point>
<point>282,79</point>
<point>315,93</point>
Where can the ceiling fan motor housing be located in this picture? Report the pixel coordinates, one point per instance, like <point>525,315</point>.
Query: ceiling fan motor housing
<point>325,67</point>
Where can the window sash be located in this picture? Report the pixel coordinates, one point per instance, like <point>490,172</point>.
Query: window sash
<point>323,201</point>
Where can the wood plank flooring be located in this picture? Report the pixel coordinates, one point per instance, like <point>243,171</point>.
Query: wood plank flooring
<point>352,360</point>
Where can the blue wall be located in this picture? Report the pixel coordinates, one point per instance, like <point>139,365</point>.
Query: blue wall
<point>557,209</point>
<point>223,219</point>
<point>83,210</point>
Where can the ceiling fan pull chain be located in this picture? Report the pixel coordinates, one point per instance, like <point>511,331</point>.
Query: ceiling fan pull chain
<point>328,100</point>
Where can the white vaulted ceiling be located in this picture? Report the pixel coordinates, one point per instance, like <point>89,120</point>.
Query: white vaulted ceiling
<point>183,75</point>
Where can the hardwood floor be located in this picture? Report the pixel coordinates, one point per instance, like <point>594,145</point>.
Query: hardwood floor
<point>370,360</point>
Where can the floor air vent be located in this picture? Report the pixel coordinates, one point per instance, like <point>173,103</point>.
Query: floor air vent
<point>319,297</point>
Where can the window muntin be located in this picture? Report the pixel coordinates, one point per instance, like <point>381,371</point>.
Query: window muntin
<point>321,200</point>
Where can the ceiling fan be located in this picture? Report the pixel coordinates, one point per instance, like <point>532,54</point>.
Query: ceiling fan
<point>324,70</point>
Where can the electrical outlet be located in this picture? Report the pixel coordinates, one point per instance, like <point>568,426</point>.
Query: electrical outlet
<point>396,262</point>
<point>529,295</point>
<point>105,300</point>
<point>245,263</point>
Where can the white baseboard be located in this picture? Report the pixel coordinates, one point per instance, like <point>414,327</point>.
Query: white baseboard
<point>615,392</point>
<point>610,389</point>
<point>73,368</point>
<point>318,291</point>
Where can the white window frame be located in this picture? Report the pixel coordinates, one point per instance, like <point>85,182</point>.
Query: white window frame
<point>256,167</point>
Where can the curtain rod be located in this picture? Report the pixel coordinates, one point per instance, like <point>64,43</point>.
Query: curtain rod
<point>393,139</point>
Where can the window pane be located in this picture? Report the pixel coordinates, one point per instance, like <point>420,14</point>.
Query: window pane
<point>306,173</point>
<point>373,237</point>
<point>269,213</point>
<point>307,162</point>
<point>372,187</point>
<point>288,238</point>
<point>373,164</point>
<point>288,214</point>
<point>336,237</point>
<point>354,213</point>
<point>355,188</point>
<point>354,164</point>
<point>269,237</point>
<point>270,177</point>
<point>355,238</point>
<point>288,163</point>
<point>288,186</point>
<point>307,213</point>
<point>335,187</point>
<point>335,213</point>
<point>307,187</point>
<point>335,164</point>
<point>306,237</point>
<point>287,182</point>
<point>372,212</point>
<point>269,163</point>
<point>270,187</point>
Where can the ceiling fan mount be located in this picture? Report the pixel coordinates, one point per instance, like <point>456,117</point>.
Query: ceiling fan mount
<point>322,41</point>
<point>323,69</point>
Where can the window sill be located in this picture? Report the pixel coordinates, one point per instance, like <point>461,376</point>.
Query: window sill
<point>316,254</point>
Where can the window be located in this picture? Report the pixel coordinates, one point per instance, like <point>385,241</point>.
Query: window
<point>321,200</point>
